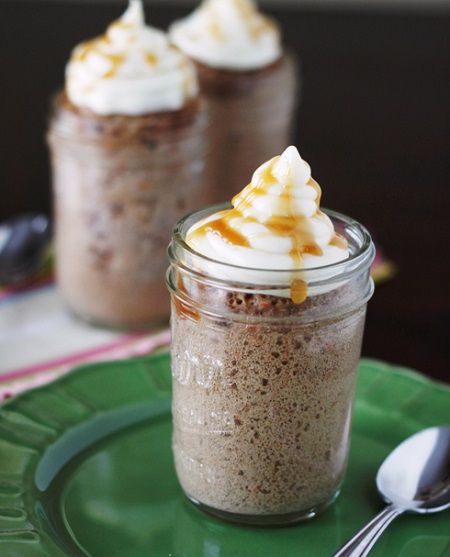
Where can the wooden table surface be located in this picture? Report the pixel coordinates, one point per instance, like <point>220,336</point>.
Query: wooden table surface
<point>374,124</point>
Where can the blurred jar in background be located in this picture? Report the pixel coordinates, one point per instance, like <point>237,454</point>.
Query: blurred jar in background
<point>250,84</point>
<point>127,143</point>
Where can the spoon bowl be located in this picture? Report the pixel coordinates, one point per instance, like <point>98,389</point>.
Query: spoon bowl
<point>415,477</point>
<point>24,242</point>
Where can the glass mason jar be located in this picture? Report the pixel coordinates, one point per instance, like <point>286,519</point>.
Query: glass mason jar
<point>252,115</point>
<point>263,387</point>
<point>119,183</point>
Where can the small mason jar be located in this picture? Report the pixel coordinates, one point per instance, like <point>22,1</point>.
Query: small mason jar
<point>252,115</point>
<point>263,387</point>
<point>119,184</point>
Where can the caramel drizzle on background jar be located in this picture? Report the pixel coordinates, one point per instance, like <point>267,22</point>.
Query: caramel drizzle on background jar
<point>255,22</point>
<point>289,225</point>
<point>216,30</point>
<point>94,46</point>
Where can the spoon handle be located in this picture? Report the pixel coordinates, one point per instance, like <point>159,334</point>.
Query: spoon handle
<point>364,540</point>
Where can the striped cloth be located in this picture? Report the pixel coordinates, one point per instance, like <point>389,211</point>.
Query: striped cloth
<point>40,340</point>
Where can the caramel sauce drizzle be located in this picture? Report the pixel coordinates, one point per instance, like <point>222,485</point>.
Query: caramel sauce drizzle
<point>339,241</point>
<point>87,48</point>
<point>120,24</point>
<point>116,61</point>
<point>299,291</point>
<point>94,46</point>
<point>288,225</point>
<point>216,30</point>
<point>255,22</point>
<point>222,227</point>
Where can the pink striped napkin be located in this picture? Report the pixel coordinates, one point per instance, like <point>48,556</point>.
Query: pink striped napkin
<point>40,341</point>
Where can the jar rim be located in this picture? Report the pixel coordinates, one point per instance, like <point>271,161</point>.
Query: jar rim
<point>359,259</point>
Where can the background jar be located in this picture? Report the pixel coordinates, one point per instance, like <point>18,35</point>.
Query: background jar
<point>119,184</point>
<point>262,387</point>
<point>251,114</point>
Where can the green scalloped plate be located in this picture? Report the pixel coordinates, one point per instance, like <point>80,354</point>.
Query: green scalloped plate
<point>86,469</point>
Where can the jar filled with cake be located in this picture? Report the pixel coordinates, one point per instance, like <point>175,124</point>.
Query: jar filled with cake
<point>128,146</point>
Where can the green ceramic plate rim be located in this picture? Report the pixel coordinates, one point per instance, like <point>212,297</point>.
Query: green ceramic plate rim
<point>405,372</point>
<point>19,522</point>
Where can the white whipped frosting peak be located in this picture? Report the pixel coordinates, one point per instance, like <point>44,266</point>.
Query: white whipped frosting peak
<point>134,15</point>
<point>228,34</point>
<point>275,223</point>
<point>131,70</point>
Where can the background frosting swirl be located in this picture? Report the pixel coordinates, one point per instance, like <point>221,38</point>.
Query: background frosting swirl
<point>132,70</point>
<point>228,34</point>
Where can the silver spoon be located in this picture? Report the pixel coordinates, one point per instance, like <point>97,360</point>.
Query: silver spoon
<point>24,242</point>
<point>415,477</point>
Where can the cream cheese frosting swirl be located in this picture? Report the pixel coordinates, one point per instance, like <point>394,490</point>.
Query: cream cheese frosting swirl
<point>228,34</point>
<point>131,70</point>
<point>275,223</point>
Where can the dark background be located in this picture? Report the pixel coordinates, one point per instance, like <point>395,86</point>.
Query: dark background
<point>374,124</point>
